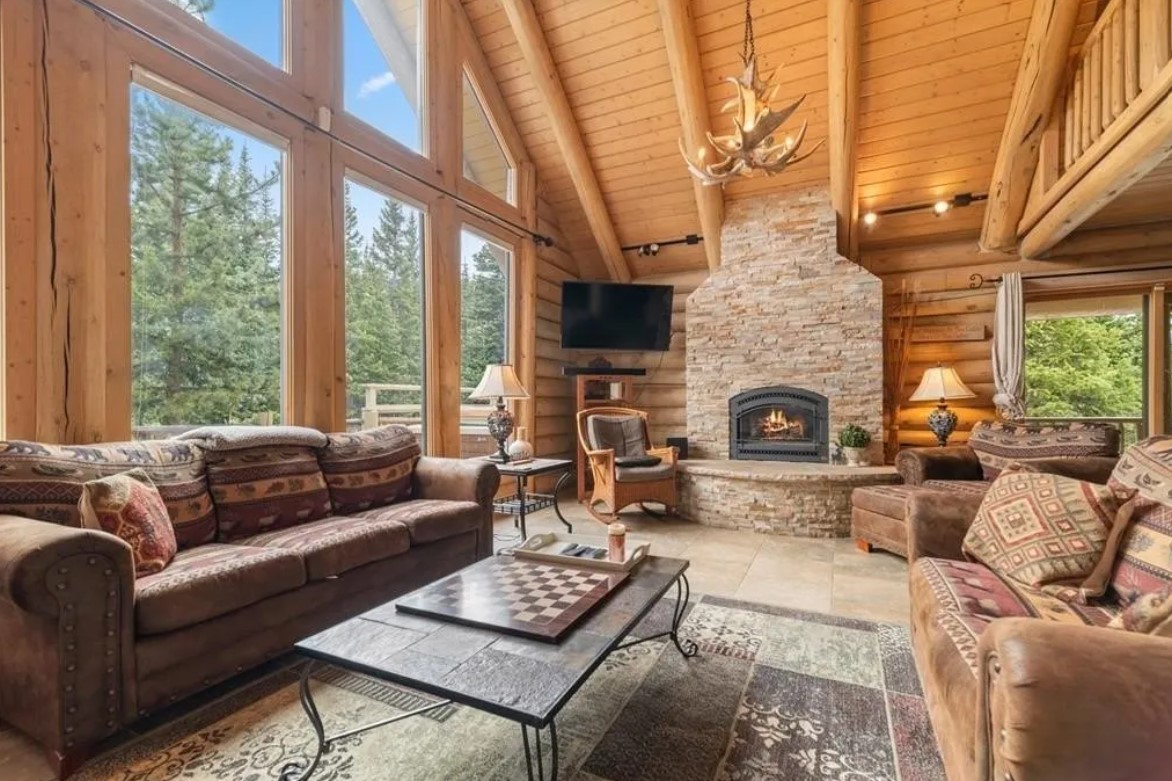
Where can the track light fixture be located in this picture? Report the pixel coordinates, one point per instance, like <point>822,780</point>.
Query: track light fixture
<point>939,208</point>
<point>651,249</point>
<point>542,241</point>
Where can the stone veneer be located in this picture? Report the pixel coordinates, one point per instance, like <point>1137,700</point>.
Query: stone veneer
<point>783,309</point>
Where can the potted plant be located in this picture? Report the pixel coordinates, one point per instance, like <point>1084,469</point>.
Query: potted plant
<point>854,441</point>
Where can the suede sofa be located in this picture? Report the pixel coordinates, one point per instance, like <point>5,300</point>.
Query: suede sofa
<point>1086,451</point>
<point>1021,685</point>
<point>278,539</point>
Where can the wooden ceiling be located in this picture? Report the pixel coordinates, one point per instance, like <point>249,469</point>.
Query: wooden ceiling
<point>936,78</point>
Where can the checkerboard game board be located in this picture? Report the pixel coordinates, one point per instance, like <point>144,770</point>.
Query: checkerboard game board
<point>526,598</point>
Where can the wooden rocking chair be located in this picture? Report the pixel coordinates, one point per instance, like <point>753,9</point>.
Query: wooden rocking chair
<point>610,436</point>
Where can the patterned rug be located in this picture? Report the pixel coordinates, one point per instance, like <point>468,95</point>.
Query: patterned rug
<point>774,694</point>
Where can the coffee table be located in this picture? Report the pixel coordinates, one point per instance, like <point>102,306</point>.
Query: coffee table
<point>522,680</point>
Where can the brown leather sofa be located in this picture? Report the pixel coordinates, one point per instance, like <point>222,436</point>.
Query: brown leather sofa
<point>87,649</point>
<point>1020,685</point>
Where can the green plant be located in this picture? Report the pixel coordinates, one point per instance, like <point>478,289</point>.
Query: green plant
<point>853,436</point>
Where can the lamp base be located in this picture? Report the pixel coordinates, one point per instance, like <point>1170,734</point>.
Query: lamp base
<point>500,428</point>
<point>942,422</point>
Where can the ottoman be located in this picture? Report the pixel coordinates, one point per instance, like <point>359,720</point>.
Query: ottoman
<point>878,519</point>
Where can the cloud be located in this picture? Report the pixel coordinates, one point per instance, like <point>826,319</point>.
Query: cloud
<point>376,84</point>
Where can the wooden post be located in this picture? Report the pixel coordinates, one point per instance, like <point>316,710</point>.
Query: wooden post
<point>442,330</point>
<point>843,51</point>
<point>1157,361</point>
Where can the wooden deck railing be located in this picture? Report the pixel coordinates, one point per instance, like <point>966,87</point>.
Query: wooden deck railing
<point>408,412</point>
<point>1128,46</point>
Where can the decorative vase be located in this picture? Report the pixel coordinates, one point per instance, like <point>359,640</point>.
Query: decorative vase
<point>942,422</point>
<point>855,456</point>
<point>520,449</point>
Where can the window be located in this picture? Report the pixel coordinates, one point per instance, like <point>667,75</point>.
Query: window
<point>485,279</point>
<point>381,64</point>
<point>384,311</point>
<point>207,249</point>
<point>257,25</point>
<point>485,161</point>
<point>1085,359</point>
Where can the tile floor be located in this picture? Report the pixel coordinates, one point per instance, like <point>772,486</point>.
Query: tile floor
<point>827,576</point>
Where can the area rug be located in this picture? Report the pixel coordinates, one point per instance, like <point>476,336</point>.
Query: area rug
<point>774,694</point>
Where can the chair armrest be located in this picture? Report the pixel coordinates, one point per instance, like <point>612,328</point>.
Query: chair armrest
<point>67,623</point>
<point>1060,702</point>
<point>669,454</point>
<point>937,522</point>
<point>956,462</point>
<point>460,479</point>
<point>1091,469</point>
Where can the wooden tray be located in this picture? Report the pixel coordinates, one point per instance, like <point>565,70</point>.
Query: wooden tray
<point>546,547</point>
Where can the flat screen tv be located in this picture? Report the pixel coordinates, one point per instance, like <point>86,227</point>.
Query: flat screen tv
<point>611,316</point>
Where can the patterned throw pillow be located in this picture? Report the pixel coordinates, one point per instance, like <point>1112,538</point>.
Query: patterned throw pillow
<point>260,489</point>
<point>45,481</point>
<point>1151,614</point>
<point>129,506</point>
<point>369,468</point>
<point>1145,555</point>
<point>1000,444</point>
<point>1046,531</point>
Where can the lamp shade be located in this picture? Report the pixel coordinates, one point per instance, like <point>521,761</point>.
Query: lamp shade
<point>501,381</point>
<point>941,382</point>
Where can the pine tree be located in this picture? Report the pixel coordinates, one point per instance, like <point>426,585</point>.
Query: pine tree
<point>484,306</point>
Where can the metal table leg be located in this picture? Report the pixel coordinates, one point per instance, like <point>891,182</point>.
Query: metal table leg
<point>522,481</point>
<point>686,647</point>
<point>534,761</point>
<point>557,508</point>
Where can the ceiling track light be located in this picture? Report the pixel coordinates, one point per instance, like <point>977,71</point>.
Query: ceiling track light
<point>652,248</point>
<point>938,208</point>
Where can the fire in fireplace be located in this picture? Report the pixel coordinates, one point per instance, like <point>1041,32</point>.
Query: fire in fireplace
<point>779,424</point>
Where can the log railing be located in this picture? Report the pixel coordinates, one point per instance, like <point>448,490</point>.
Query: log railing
<point>1124,52</point>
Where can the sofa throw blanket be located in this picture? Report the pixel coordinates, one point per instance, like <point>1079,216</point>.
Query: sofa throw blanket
<point>223,438</point>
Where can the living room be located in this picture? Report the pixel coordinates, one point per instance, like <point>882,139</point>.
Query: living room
<point>701,389</point>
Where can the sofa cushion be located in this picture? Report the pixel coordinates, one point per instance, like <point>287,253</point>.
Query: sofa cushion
<point>264,488</point>
<point>242,437</point>
<point>429,520</point>
<point>1144,564</point>
<point>44,481</point>
<point>128,506</point>
<point>621,433</point>
<point>644,474</point>
<point>1046,531</point>
<point>999,444</point>
<point>369,468</point>
<point>335,545</point>
<point>210,581</point>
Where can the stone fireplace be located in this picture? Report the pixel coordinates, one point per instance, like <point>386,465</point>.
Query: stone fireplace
<point>784,348</point>
<point>779,424</point>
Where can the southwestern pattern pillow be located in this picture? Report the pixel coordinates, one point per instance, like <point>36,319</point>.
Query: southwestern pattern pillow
<point>1000,444</point>
<point>45,481</point>
<point>1151,614</point>
<point>1045,531</point>
<point>128,506</point>
<point>369,468</point>
<point>264,488</point>
<point>1145,555</point>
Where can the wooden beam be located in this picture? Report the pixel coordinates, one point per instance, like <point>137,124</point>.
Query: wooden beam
<point>843,40</point>
<point>1147,144</point>
<point>1039,77</point>
<point>683,56</point>
<point>1157,360</point>
<point>535,51</point>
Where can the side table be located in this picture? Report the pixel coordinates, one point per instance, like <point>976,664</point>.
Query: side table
<point>523,502</point>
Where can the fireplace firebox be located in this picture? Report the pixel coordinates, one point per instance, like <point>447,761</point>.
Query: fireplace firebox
<point>779,424</point>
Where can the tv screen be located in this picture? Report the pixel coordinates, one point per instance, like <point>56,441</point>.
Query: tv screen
<point>610,316</point>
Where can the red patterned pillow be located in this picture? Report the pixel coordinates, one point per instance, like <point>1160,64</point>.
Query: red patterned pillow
<point>369,468</point>
<point>129,506</point>
<point>1151,614</point>
<point>260,489</point>
<point>1047,531</point>
<point>1145,555</point>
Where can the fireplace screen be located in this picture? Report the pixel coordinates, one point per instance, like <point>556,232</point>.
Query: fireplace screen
<point>778,424</point>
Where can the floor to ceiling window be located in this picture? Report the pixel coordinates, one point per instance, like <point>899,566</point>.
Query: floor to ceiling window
<point>485,295</point>
<point>207,252</point>
<point>257,25</point>
<point>381,64</point>
<point>384,310</point>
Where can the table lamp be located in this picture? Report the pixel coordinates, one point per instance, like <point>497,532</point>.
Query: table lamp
<point>941,384</point>
<point>500,381</point>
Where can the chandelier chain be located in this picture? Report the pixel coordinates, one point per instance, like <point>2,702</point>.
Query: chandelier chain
<point>749,47</point>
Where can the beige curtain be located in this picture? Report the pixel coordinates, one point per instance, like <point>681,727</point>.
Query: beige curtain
<point>1009,348</point>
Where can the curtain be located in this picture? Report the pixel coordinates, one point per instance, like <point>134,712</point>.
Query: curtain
<point>1009,348</point>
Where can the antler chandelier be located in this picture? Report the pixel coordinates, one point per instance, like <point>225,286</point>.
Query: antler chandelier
<point>751,146</point>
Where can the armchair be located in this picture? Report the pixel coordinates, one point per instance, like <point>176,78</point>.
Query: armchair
<point>625,468</point>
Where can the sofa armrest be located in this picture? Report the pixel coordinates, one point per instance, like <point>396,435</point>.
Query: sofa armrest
<point>462,479</point>
<point>1060,702</point>
<point>937,522</point>
<point>67,623</point>
<point>956,462</point>
<point>1091,469</point>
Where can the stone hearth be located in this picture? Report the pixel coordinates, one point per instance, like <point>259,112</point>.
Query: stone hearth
<point>783,309</point>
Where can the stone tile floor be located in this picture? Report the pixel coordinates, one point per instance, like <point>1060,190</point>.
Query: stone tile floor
<point>826,576</point>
